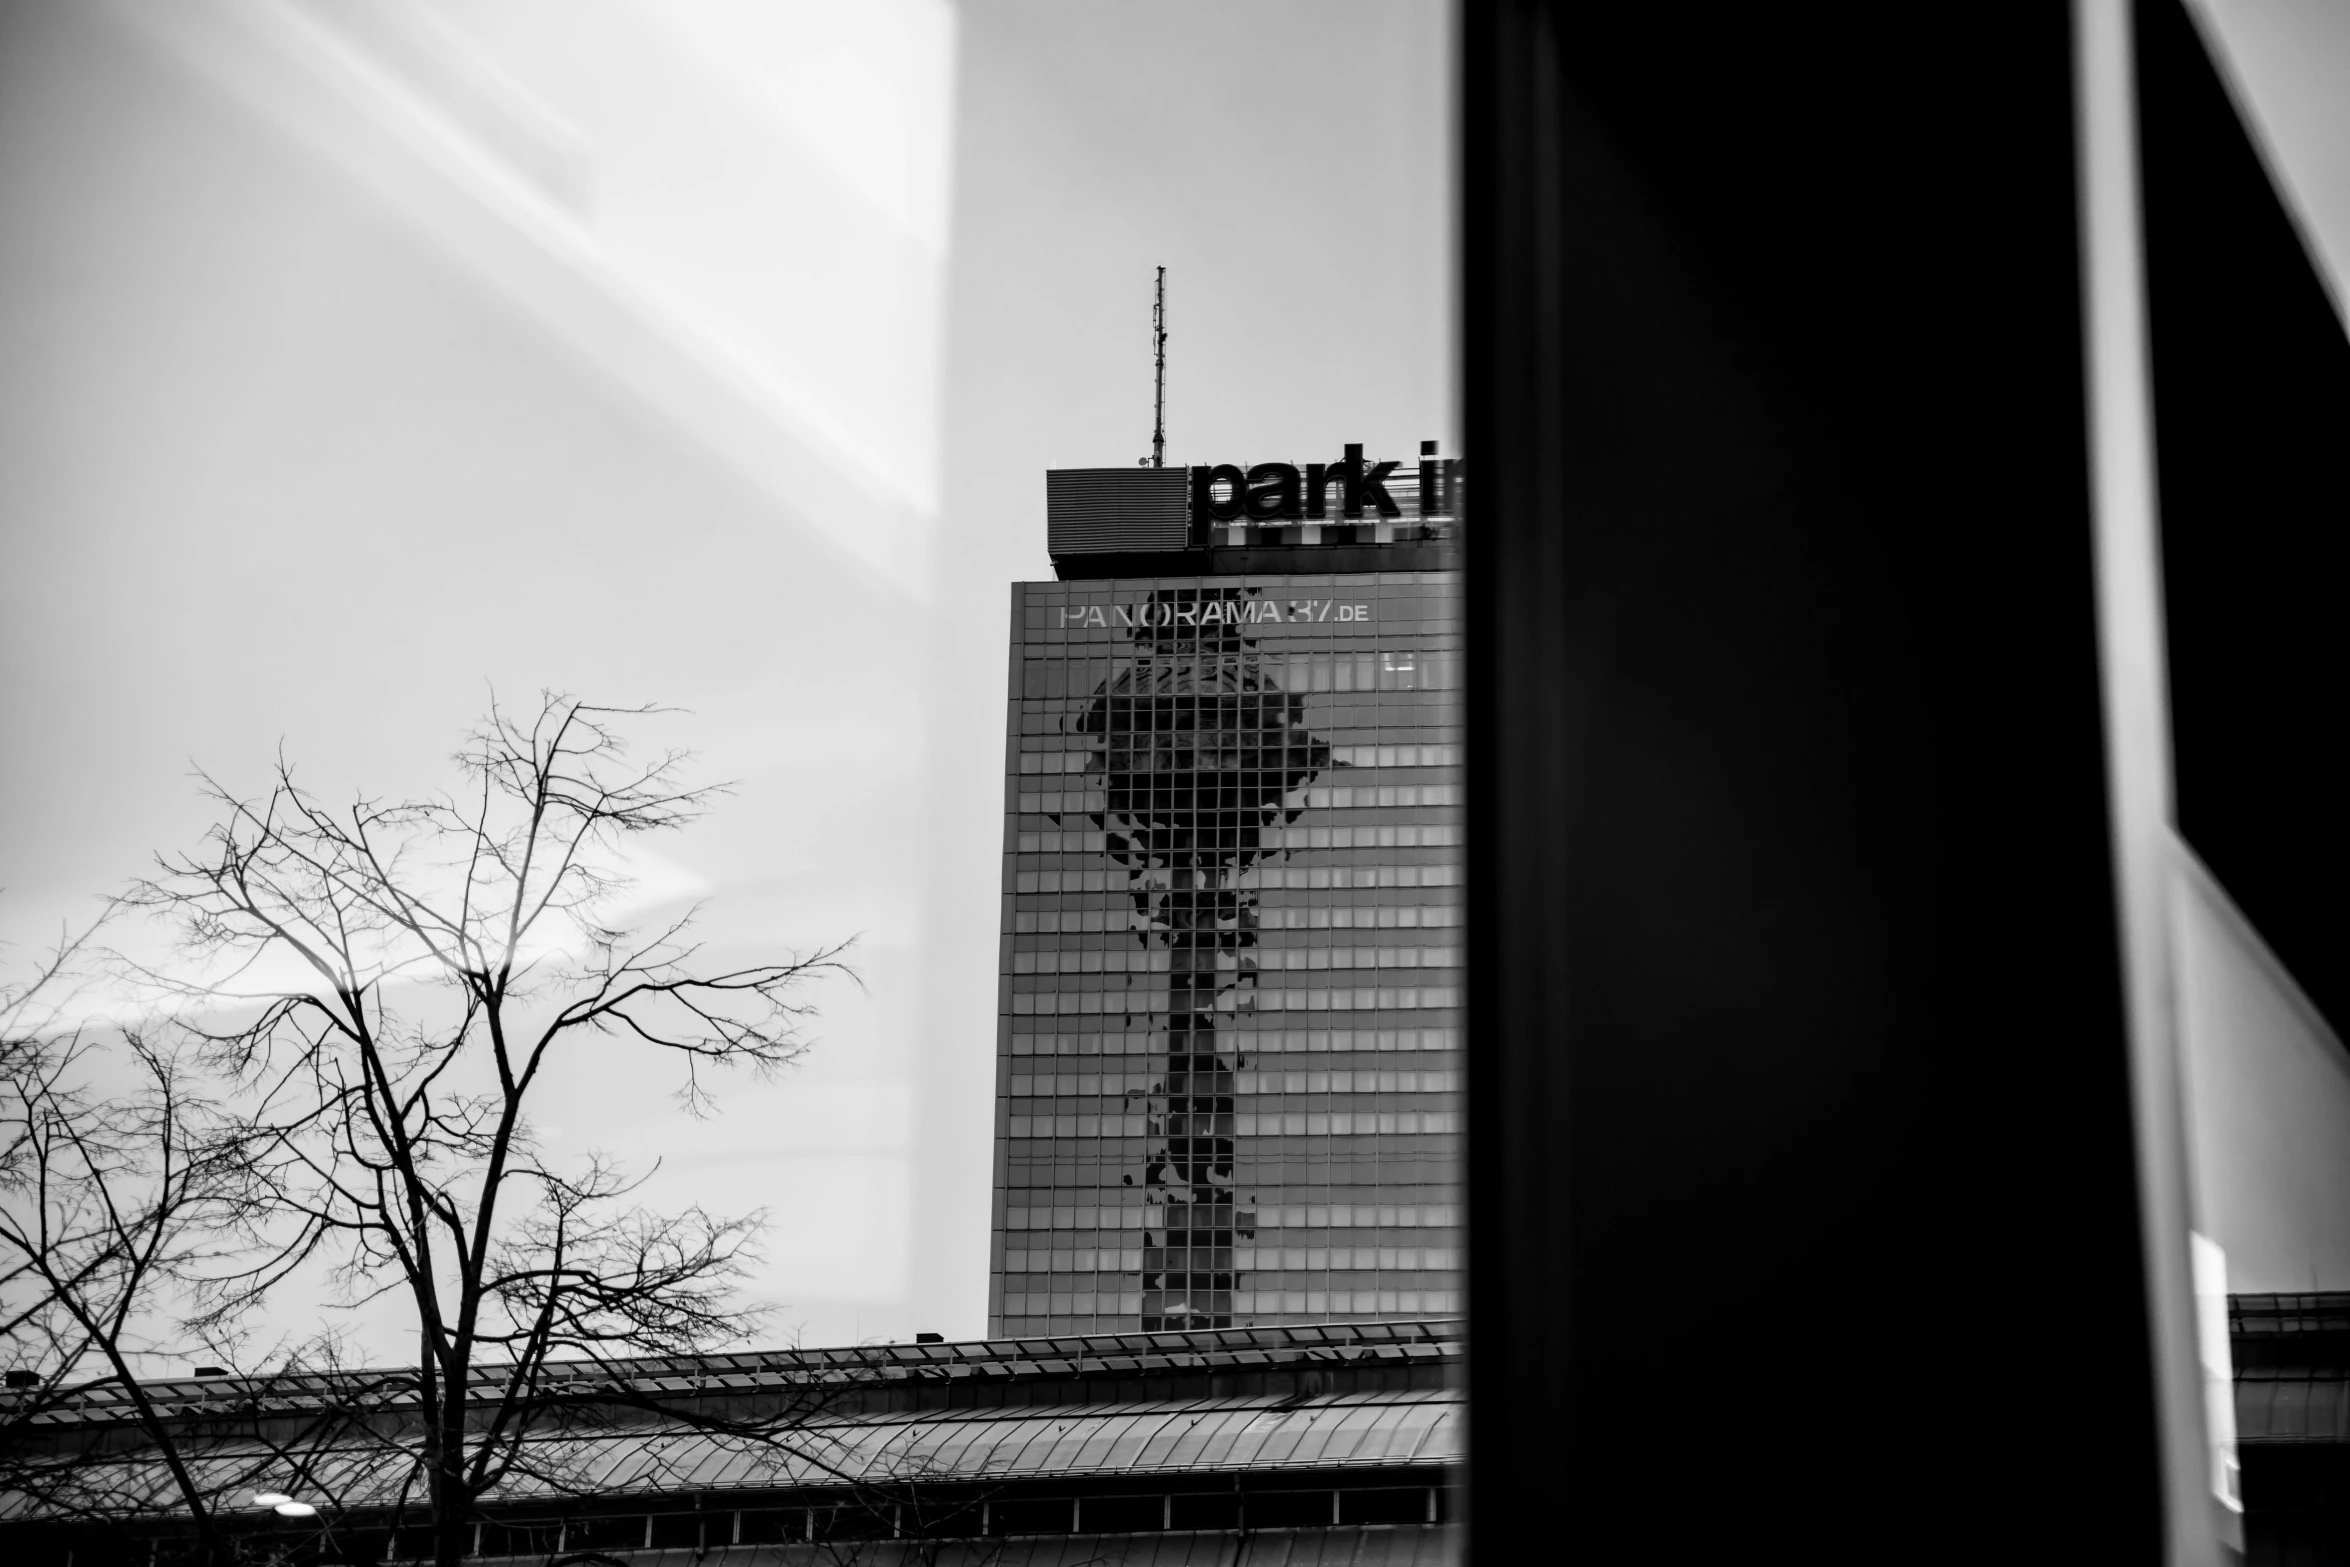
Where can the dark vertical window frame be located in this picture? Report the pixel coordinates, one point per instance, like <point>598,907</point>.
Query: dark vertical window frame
<point>1526,1428</point>
<point>1801,1156</point>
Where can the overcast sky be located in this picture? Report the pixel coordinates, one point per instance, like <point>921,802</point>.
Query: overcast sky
<point>360,358</point>
<point>363,358</point>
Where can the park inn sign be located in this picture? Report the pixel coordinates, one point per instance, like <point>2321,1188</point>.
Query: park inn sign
<point>1281,492</point>
<point>1130,511</point>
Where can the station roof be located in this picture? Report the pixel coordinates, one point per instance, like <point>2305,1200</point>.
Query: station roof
<point>1407,1429</point>
<point>1099,1355</point>
<point>1148,1405</point>
<point>2292,1367</point>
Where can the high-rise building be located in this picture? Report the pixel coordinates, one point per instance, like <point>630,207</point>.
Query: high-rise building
<point>1229,1043</point>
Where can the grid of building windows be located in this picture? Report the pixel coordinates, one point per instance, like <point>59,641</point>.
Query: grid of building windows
<point>1229,1049</point>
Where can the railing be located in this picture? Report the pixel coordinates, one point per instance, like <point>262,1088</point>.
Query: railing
<point>1107,1353</point>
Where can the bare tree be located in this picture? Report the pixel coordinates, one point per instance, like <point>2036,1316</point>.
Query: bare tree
<point>113,1206</point>
<point>123,1223</point>
<point>384,985</point>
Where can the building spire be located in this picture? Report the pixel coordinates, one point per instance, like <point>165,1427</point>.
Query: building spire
<point>1159,386</point>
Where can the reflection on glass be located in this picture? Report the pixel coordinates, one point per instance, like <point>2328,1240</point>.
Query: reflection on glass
<point>1230,1041</point>
<point>1196,751</point>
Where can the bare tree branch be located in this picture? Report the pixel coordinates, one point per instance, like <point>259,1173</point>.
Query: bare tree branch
<point>381,986</point>
<point>114,1201</point>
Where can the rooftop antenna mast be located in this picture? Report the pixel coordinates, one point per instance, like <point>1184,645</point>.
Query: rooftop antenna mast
<point>1159,389</point>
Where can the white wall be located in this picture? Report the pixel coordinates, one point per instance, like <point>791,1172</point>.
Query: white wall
<point>2268,1100</point>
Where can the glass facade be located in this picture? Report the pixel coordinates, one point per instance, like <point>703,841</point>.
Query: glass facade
<point>1229,1042</point>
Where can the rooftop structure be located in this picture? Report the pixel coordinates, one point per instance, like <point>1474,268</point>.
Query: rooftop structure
<point>1236,519</point>
<point>1312,1439</point>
